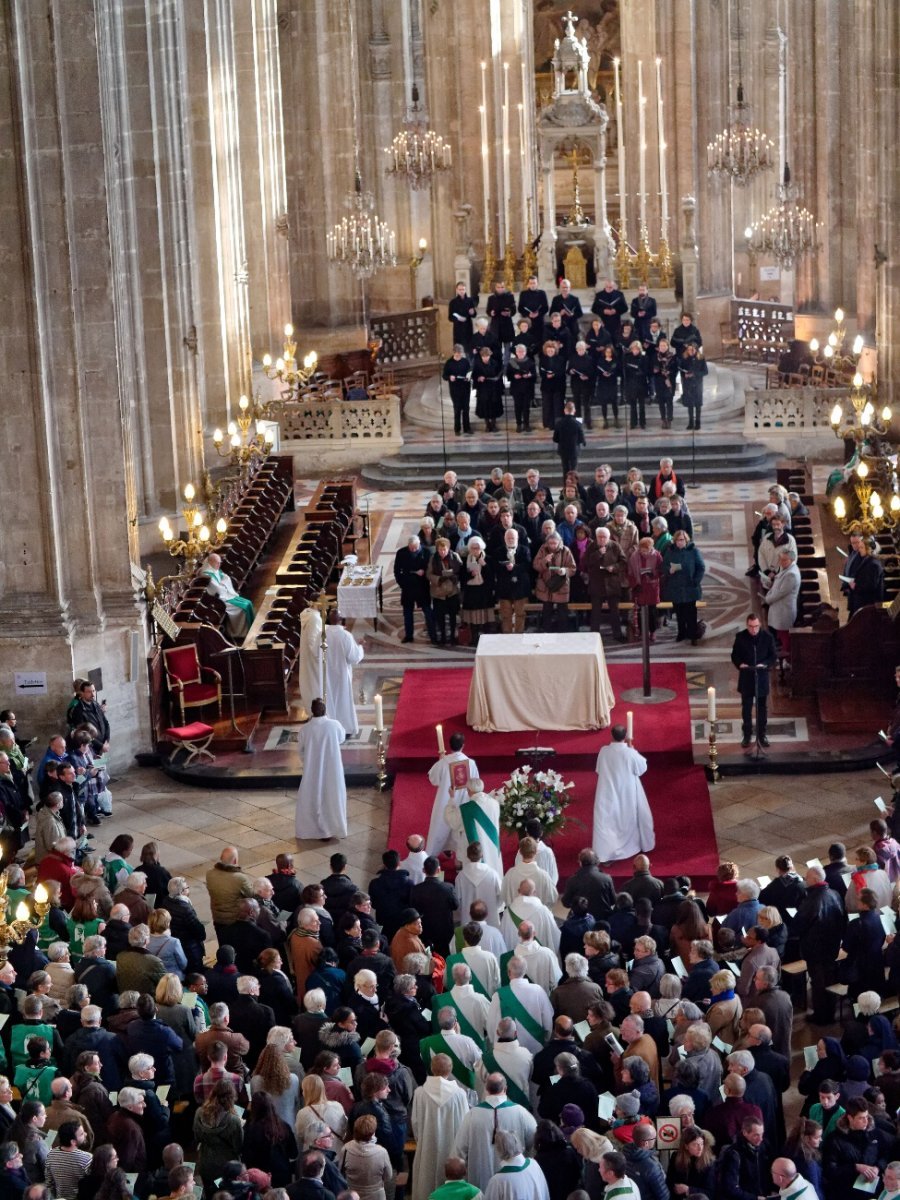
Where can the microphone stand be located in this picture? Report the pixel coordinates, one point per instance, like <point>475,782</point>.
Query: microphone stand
<point>757,752</point>
<point>443,432</point>
<point>507,398</point>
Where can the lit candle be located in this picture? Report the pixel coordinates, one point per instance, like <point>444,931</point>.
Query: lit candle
<point>485,164</point>
<point>440,737</point>
<point>505,134</point>
<point>663,184</point>
<point>629,726</point>
<point>642,149</point>
<point>379,715</point>
<point>522,180</point>
<point>620,152</point>
<point>711,705</point>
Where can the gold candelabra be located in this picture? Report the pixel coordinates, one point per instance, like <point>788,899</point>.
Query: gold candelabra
<point>286,369</point>
<point>529,258</point>
<point>243,446</point>
<point>663,263</point>
<point>382,760</point>
<point>623,259</point>
<point>195,545</point>
<point>25,919</point>
<point>417,259</point>
<point>509,266</point>
<point>714,775</point>
<point>643,259</point>
<point>489,268</point>
<point>873,516</point>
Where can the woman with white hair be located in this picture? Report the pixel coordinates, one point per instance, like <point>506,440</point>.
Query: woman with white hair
<point>477,587</point>
<point>365,1003</point>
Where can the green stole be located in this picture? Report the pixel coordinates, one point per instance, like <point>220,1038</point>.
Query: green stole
<point>454,1189</point>
<point>512,1006</point>
<point>474,815</point>
<point>618,1191</point>
<point>457,959</point>
<point>465,1025</point>
<point>510,1170</point>
<point>512,1088</point>
<point>437,1044</point>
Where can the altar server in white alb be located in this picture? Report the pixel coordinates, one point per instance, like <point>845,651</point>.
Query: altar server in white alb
<point>623,822</point>
<point>438,1108</point>
<point>343,654</point>
<point>238,611</point>
<point>309,679</point>
<point>450,776</point>
<point>519,1178</point>
<point>322,798</point>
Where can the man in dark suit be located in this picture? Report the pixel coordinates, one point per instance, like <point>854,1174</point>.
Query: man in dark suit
<point>246,937</point>
<point>249,1017</point>
<point>753,653</point>
<point>819,924</point>
<point>592,883</point>
<point>436,902</point>
<point>410,565</point>
<point>568,434</point>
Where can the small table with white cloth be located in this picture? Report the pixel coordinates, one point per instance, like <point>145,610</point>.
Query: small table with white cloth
<point>539,681</point>
<point>359,592</point>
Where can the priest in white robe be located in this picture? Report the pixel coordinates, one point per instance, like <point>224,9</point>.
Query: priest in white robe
<point>238,611</point>
<point>541,963</point>
<point>322,798</point>
<point>477,819</point>
<point>342,654</point>
<point>623,822</point>
<point>484,966</point>
<point>449,776</point>
<point>527,907</point>
<point>545,859</point>
<point>478,881</point>
<point>309,674</point>
<point>437,1111</point>
<point>512,1060</point>
<point>466,1000</point>
<point>527,1004</point>
<point>475,1139</point>
<point>464,1053</point>
<point>414,863</point>
<point>519,1178</point>
<point>526,867</point>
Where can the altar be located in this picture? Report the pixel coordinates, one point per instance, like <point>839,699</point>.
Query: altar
<point>539,681</point>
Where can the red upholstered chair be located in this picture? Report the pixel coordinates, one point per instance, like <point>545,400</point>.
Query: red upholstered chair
<point>185,677</point>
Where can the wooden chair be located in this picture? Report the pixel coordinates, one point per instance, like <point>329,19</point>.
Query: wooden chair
<point>185,679</point>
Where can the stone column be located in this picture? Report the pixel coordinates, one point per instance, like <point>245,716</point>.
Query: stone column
<point>885,111</point>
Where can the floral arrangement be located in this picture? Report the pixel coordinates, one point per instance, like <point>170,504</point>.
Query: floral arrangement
<point>527,794</point>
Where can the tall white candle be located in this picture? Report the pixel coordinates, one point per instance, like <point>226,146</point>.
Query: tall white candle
<point>711,704</point>
<point>529,203</point>
<point>661,129</point>
<point>642,149</point>
<point>620,154</point>
<point>629,726</point>
<point>439,730</point>
<point>485,164</point>
<point>505,135</point>
<point>379,715</point>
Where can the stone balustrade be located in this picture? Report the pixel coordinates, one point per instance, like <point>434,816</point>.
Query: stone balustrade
<point>802,415</point>
<point>409,340</point>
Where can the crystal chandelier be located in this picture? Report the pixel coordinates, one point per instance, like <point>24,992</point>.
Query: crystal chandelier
<point>740,151</point>
<point>787,231</point>
<point>417,152</point>
<point>361,241</point>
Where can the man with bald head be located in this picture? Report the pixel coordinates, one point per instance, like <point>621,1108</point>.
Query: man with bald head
<point>476,1139</point>
<point>238,611</point>
<point>790,1183</point>
<point>562,1041</point>
<point>819,925</point>
<point>455,1185</point>
<point>541,963</point>
<point>527,906</point>
<point>508,1057</point>
<point>528,1005</point>
<point>227,886</point>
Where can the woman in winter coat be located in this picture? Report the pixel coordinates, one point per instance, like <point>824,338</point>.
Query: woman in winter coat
<point>444,571</point>
<point>724,1013</point>
<point>554,567</point>
<point>477,587</point>
<point>684,569</point>
<point>645,570</point>
<point>218,1133</point>
<point>363,1163</point>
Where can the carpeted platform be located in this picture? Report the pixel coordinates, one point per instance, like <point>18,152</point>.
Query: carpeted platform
<point>441,696</point>
<point>677,790</point>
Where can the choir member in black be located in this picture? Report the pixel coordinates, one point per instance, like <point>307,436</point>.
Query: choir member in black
<point>626,337</point>
<point>501,308</point>
<point>458,373</point>
<point>692,367</point>
<point>483,337</point>
<point>609,373</point>
<point>568,435</point>
<point>533,305</point>
<point>557,332</point>
<point>486,375</point>
<point>524,337</point>
<point>553,384</point>
<point>610,306</point>
<point>581,371</point>
<point>867,574</point>
<point>634,383</point>
<point>664,370</point>
<point>522,374</point>
<point>597,337</point>
<point>643,310</point>
<point>460,313</point>
<point>654,333</point>
<point>569,308</point>
<point>686,332</point>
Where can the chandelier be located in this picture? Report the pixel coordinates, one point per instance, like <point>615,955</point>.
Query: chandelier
<point>417,152</point>
<point>787,231</point>
<point>874,475</point>
<point>192,548</point>
<point>362,242</point>
<point>286,369</point>
<point>740,151</point>
<point>243,447</point>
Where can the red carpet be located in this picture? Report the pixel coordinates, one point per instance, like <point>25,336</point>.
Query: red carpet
<point>429,697</point>
<point>677,790</point>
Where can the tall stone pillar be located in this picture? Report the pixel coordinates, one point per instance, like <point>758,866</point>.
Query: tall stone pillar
<point>885,109</point>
